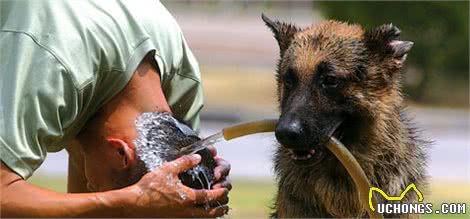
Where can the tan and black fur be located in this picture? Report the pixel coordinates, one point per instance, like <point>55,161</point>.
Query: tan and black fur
<point>338,79</point>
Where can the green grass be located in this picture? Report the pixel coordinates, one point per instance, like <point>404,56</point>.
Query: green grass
<point>252,198</point>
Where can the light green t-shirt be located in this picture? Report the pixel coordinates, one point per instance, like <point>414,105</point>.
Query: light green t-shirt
<point>60,61</point>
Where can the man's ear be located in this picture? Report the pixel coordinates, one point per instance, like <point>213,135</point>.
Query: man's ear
<point>384,41</point>
<point>283,32</point>
<point>125,151</point>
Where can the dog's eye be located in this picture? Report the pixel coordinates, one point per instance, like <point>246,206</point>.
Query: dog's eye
<point>289,79</point>
<point>330,81</point>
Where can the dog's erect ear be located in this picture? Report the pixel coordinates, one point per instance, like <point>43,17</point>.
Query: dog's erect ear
<point>282,32</point>
<point>384,40</point>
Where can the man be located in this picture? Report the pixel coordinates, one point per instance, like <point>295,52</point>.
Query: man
<point>78,73</point>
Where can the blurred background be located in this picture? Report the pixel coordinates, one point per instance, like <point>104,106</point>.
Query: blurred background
<point>238,54</point>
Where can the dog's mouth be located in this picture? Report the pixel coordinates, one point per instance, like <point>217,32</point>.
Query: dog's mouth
<point>301,155</point>
<point>306,157</point>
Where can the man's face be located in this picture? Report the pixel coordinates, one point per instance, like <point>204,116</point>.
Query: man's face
<point>101,166</point>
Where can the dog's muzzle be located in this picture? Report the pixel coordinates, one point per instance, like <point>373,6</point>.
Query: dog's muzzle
<point>302,142</point>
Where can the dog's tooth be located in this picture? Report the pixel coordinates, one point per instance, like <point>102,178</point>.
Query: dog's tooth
<point>312,151</point>
<point>309,156</point>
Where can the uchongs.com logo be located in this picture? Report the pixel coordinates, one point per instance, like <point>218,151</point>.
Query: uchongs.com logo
<point>418,207</point>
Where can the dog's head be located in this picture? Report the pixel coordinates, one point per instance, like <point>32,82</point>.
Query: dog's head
<point>332,78</point>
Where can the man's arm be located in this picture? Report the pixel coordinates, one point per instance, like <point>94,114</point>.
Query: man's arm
<point>151,196</point>
<point>21,199</point>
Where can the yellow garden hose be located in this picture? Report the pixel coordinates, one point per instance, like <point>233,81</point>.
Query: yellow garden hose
<point>356,173</point>
<point>248,128</point>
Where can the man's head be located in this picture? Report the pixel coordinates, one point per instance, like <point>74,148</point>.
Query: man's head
<point>159,139</point>
<point>333,78</point>
<point>107,140</point>
<point>109,159</point>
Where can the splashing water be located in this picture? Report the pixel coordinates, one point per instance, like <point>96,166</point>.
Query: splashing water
<point>160,139</point>
<point>171,182</point>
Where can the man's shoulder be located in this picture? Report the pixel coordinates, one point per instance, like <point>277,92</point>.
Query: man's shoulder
<point>88,37</point>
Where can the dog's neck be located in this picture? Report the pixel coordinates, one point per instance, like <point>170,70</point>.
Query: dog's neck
<point>385,134</point>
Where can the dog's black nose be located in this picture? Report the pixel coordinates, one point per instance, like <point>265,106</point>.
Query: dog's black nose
<point>290,132</point>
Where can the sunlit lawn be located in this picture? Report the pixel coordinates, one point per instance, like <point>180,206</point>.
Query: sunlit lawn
<point>252,199</point>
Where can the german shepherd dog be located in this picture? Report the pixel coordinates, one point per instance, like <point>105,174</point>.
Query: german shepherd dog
<point>338,79</point>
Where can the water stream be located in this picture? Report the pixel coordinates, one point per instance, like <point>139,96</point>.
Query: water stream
<point>200,145</point>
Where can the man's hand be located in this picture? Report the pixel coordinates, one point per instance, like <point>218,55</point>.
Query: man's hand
<point>160,193</point>
<point>221,172</point>
<point>221,175</point>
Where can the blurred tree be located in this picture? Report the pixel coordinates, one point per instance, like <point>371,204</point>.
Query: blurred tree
<point>440,30</point>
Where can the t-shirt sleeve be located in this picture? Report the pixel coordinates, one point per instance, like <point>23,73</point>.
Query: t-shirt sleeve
<point>184,90</point>
<point>38,100</point>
